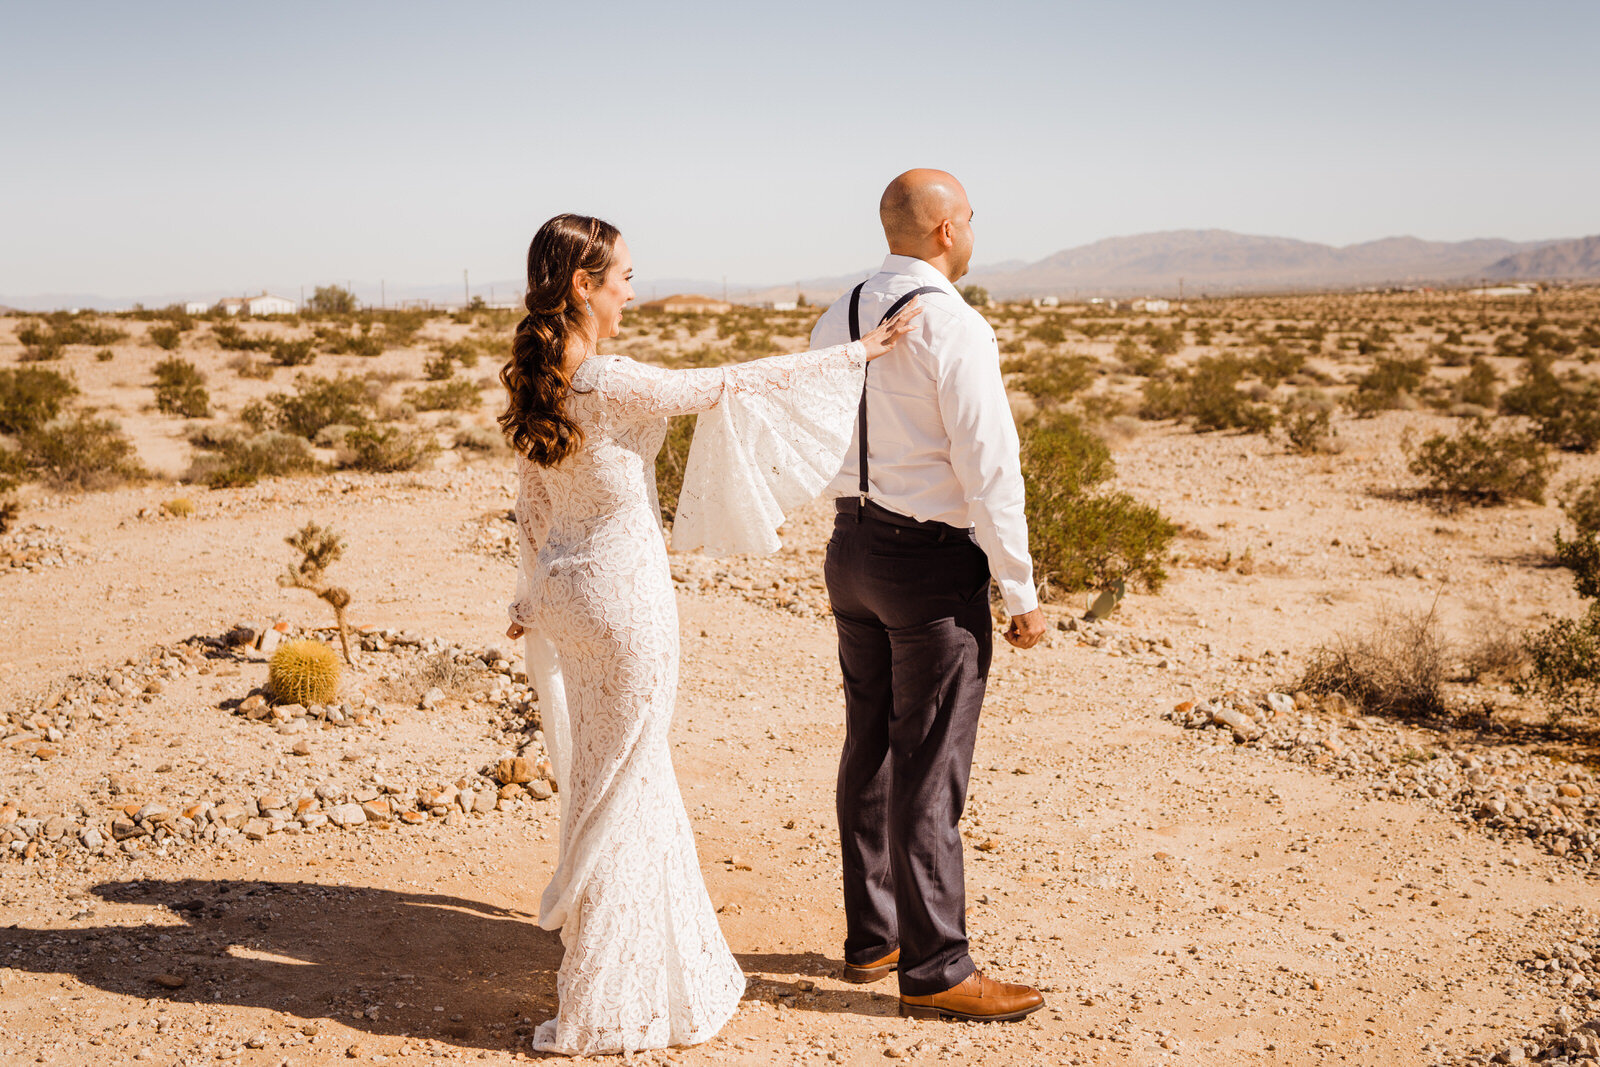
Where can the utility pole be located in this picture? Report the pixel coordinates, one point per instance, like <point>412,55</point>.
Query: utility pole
<point>1483,302</point>
<point>1180,290</point>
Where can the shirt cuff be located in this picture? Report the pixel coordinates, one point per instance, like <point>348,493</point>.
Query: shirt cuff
<point>1019,598</point>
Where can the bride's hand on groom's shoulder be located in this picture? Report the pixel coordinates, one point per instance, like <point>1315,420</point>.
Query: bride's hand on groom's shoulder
<point>888,332</point>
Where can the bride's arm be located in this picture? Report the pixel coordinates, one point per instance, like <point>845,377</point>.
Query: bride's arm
<point>642,391</point>
<point>533,526</point>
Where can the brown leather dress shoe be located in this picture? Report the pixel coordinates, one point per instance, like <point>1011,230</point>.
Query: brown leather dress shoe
<point>871,972</point>
<point>978,999</point>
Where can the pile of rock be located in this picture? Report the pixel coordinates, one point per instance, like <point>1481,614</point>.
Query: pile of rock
<point>1564,1042</point>
<point>137,826</point>
<point>32,547</point>
<point>1505,787</point>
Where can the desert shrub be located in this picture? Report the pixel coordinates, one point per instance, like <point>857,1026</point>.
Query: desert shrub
<point>481,439</point>
<point>1499,652</point>
<point>1055,377</point>
<point>1480,385</point>
<point>670,463</point>
<point>1014,347</point>
<point>231,336</point>
<point>231,459</point>
<point>1309,432</point>
<point>9,510</point>
<point>1049,332</point>
<point>384,449</point>
<point>293,353</point>
<point>1276,364</point>
<point>31,397</point>
<point>1446,356</point>
<point>1479,466</point>
<point>316,402</point>
<point>1384,386</point>
<point>341,342</point>
<point>61,328</point>
<point>257,369</point>
<point>1564,665</point>
<point>1083,537</point>
<point>1164,399</point>
<point>439,368</point>
<point>164,336</point>
<point>78,451</point>
<point>1580,501</point>
<point>331,300</point>
<point>1396,667</point>
<point>181,389</point>
<point>457,394</point>
<point>1566,413</point>
<point>105,355</point>
<point>1214,401</point>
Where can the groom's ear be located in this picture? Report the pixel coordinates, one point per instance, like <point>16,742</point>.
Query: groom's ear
<point>944,233</point>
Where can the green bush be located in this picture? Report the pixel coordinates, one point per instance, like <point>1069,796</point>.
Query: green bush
<point>165,336</point>
<point>293,353</point>
<point>231,336</point>
<point>384,449</point>
<point>457,394</point>
<point>181,389</point>
<point>1564,665</point>
<point>230,459</point>
<point>1565,412</point>
<point>1384,386</point>
<point>670,463</point>
<point>1049,332</point>
<point>439,368</point>
<point>1214,401</point>
<point>341,342</point>
<point>1479,466</point>
<point>1580,553</point>
<point>60,328</point>
<point>1580,501</point>
<point>79,451</point>
<point>31,397</point>
<point>1480,385</point>
<point>1164,400</point>
<point>1055,377</point>
<point>1309,432</point>
<point>331,300</point>
<point>317,402</point>
<point>1083,537</point>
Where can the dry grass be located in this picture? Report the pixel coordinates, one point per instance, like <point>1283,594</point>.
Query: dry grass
<point>1396,667</point>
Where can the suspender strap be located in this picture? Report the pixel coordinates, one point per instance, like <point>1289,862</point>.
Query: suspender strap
<point>861,408</point>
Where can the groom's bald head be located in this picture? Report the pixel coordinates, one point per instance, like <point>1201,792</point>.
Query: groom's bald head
<point>926,214</point>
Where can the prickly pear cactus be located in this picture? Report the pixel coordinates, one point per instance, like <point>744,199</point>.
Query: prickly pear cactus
<point>303,672</point>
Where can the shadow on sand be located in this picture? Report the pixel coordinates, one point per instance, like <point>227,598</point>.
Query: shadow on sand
<point>381,961</point>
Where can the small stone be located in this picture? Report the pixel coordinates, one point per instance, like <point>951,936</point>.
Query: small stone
<point>514,770</point>
<point>539,789</point>
<point>356,1051</point>
<point>376,810</point>
<point>291,727</point>
<point>1568,789</point>
<point>738,863</point>
<point>46,752</point>
<point>171,981</point>
<point>257,829</point>
<point>301,747</point>
<point>1244,728</point>
<point>258,1041</point>
<point>155,811</point>
<point>988,844</point>
<point>413,817</point>
<point>254,706</point>
<point>431,698</point>
<point>347,815</point>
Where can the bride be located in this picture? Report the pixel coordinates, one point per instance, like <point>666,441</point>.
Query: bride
<point>645,964</point>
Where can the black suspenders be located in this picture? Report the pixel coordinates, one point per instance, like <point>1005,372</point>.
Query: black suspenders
<point>861,409</point>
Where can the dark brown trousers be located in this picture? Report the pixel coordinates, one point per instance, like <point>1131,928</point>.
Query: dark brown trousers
<point>911,604</point>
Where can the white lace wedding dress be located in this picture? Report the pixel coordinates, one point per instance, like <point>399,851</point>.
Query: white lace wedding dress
<point>645,963</point>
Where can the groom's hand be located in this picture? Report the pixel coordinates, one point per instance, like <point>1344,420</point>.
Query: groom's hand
<point>1026,630</point>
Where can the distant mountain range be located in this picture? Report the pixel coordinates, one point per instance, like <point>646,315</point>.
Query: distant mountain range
<point>1214,262</point>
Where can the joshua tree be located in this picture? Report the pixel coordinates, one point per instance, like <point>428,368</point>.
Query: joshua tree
<point>319,549</point>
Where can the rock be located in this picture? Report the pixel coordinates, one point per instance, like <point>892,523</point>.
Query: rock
<point>271,801</point>
<point>1568,789</point>
<point>312,820</point>
<point>485,801</point>
<point>1281,703</point>
<point>1244,728</point>
<point>292,727</point>
<point>347,815</point>
<point>56,827</point>
<point>45,752</point>
<point>229,814</point>
<point>540,789</point>
<point>254,706</point>
<point>988,844</point>
<point>514,770</point>
<point>118,783</point>
<point>376,810</point>
<point>413,817</point>
<point>271,638</point>
<point>256,829</point>
<point>171,981</point>
<point>155,811</point>
<point>92,839</point>
<point>301,748</point>
<point>124,829</point>
<point>431,698</point>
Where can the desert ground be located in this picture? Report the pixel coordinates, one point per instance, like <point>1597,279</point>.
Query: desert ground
<point>1199,859</point>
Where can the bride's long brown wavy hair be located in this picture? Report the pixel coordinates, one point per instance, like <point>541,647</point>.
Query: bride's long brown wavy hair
<point>534,421</point>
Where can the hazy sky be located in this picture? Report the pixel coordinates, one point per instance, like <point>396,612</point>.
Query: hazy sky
<point>161,148</point>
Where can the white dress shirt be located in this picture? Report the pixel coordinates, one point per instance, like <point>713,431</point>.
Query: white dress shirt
<point>941,443</point>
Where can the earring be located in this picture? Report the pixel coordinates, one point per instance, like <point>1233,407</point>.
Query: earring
<point>589,309</point>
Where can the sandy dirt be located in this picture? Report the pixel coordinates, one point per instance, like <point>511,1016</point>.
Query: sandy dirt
<point>1179,898</point>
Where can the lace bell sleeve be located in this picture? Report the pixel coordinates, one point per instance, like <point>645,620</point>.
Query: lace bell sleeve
<point>773,442</point>
<point>533,526</point>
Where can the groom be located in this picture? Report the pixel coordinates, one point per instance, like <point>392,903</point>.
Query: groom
<point>929,506</point>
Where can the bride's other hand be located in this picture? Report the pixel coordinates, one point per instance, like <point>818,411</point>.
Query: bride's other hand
<point>890,331</point>
<point>515,630</point>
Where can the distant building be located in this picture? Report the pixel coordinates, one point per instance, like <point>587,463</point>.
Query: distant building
<point>1153,306</point>
<point>688,302</point>
<point>196,307</point>
<point>265,304</point>
<point>780,305</point>
<point>1047,301</point>
<point>1505,290</point>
